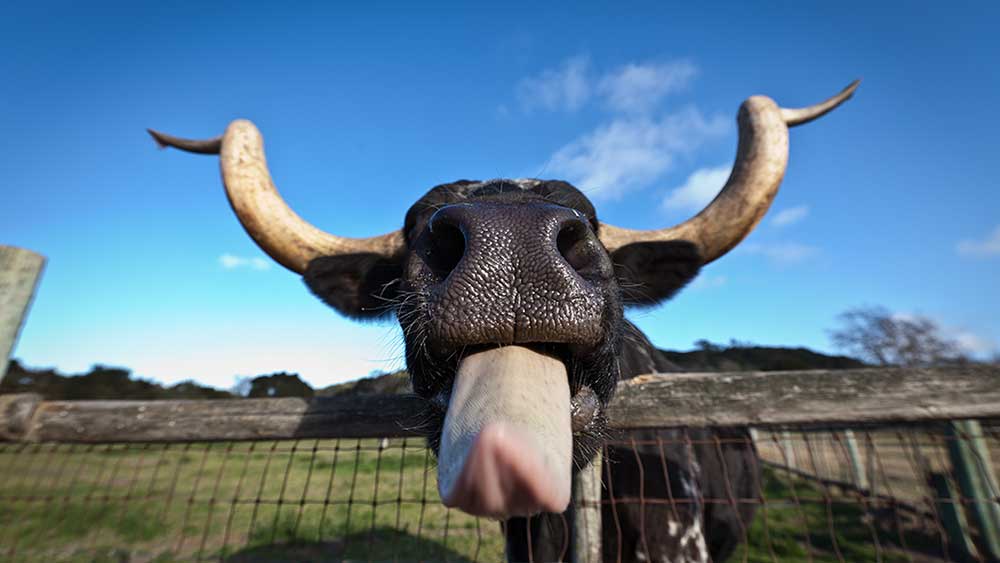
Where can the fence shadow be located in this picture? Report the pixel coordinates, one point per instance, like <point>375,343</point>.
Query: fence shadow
<point>381,544</point>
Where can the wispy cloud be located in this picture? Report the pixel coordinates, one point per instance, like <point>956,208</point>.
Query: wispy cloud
<point>637,88</point>
<point>566,88</point>
<point>989,246</point>
<point>705,281</point>
<point>626,154</point>
<point>790,216</point>
<point>968,341</point>
<point>633,88</point>
<point>699,189</point>
<point>974,344</point>
<point>782,253</point>
<point>231,262</point>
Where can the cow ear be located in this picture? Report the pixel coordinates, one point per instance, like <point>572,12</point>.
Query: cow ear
<point>361,286</point>
<point>651,272</point>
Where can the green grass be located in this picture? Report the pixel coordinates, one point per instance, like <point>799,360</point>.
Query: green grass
<point>338,500</point>
<point>326,500</point>
<point>803,521</point>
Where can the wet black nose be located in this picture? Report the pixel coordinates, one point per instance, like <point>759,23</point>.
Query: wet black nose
<point>553,235</point>
<point>515,273</point>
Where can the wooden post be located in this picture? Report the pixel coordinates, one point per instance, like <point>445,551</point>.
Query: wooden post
<point>20,270</point>
<point>976,480</point>
<point>984,461</point>
<point>788,449</point>
<point>949,506</point>
<point>858,473</point>
<point>587,513</point>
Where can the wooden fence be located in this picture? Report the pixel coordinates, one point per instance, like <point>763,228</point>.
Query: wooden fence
<point>787,406</point>
<point>799,399</point>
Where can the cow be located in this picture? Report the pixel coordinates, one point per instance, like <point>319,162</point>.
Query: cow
<point>511,294</point>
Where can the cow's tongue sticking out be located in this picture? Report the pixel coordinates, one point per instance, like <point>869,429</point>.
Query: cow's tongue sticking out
<point>507,442</point>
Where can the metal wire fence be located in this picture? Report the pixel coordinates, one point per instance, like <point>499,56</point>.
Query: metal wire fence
<point>886,493</point>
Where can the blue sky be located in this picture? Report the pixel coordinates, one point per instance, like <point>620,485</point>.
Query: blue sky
<point>890,200</point>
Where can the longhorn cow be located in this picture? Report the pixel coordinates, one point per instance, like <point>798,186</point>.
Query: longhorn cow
<point>510,295</point>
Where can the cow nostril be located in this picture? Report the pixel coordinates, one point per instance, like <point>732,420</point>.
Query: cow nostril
<point>447,246</point>
<point>574,244</point>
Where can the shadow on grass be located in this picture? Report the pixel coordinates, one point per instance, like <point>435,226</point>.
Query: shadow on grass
<point>381,544</point>
<point>805,521</point>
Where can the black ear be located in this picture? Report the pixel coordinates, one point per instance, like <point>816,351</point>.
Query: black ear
<point>362,286</point>
<point>650,272</point>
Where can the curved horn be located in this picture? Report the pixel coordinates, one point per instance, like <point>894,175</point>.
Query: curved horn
<point>761,157</point>
<point>276,229</point>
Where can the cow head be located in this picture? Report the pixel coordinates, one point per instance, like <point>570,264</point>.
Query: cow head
<point>510,295</point>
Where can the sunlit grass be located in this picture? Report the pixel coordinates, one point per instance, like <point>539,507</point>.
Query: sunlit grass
<point>328,500</point>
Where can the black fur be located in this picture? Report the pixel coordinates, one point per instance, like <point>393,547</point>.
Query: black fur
<point>652,272</point>
<point>360,286</point>
<point>477,251</point>
<point>712,476</point>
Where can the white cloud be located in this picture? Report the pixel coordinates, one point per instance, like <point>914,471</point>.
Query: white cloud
<point>700,188</point>
<point>967,341</point>
<point>636,88</point>
<point>632,88</point>
<point>974,344</point>
<point>566,88</point>
<point>905,317</point>
<point>989,246</point>
<point>630,153</point>
<point>708,282</point>
<point>231,262</point>
<point>790,216</point>
<point>780,252</point>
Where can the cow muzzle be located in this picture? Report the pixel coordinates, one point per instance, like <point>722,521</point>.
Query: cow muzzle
<point>507,443</point>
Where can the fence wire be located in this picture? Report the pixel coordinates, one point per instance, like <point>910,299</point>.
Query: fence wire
<point>871,494</point>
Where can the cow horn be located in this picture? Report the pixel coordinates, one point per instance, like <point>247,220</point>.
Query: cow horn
<point>278,230</point>
<point>761,157</point>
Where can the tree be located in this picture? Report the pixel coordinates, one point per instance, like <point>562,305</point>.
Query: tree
<point>879,337</point>
<point>280,385</point>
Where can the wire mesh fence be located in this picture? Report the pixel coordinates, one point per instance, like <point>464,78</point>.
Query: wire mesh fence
<point>236,501</point>
<point>888,493</point>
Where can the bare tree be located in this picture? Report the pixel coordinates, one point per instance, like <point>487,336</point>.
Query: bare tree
<point>875,335</point>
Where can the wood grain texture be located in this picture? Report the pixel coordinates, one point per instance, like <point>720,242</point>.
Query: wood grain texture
<point>794,398</point>
<point>815,397</point>
<point>20,270</point>
<point>226,419</point>
<point>587,513</point>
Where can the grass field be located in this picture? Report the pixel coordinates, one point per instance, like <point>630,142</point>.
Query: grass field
<point>346,500</point>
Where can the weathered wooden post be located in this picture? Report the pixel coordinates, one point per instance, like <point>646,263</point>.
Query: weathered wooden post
<point>858,474</point>
<point>20,270</point>
<point>949,507</point>
<point>973,470</point>
<point>788,449</point>
<point>587,513</point>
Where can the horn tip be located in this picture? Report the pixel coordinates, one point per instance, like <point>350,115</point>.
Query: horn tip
<point>207,146</point>
<point>793,117</point>
<point>850,89</point>
<point>158,137</point>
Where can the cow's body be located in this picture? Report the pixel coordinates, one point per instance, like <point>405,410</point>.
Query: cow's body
<point>676,469</point>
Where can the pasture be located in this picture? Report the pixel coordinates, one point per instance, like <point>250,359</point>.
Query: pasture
<point>372,500</point>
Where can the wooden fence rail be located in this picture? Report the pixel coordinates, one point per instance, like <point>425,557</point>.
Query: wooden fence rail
<point>799,398</point>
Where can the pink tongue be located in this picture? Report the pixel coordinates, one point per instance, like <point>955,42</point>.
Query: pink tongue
<point>504,476</point>
<point>506,446</point>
